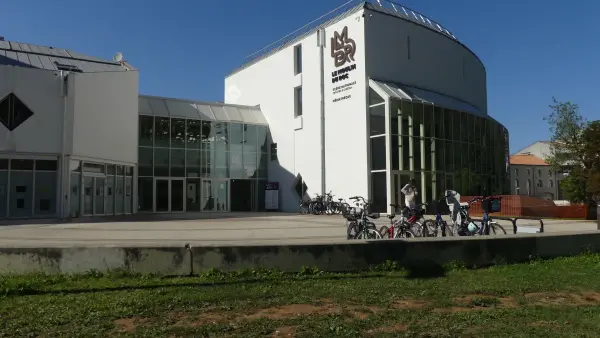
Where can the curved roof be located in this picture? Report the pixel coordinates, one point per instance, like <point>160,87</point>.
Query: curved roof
<point>197,110</point>
<point>383,6</point>
<point>51,58</point>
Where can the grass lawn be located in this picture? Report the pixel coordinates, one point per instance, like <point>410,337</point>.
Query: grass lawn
<point>557,298</point>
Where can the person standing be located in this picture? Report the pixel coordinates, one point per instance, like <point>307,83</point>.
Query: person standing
<point>410,192</point>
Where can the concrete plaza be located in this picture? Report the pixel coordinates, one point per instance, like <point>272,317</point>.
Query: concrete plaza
<point>206,230</point>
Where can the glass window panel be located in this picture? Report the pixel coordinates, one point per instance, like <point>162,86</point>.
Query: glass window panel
<point>128,194</point>
<point>119,194</point>
<point>250,165</point>
<point>146,130</point>
<point>221,164</point>
<point>439,122</point>
<point>419,185</point>
<point>21,164</point>
<point>21,193</point>
<point>378,153</point>
<point>374,98</point>
<point>470,128</point>
<point>220,133</point>
<point>193,134</point>
<point>120,170</point>
<point>193,196</point>
<point>440,164</point>
<point>394,124</point>
<point>111,169</point>
<point>464,155</point>
<point>457,156</point>
<point>145,193</point>
<point>456,134</point>
<point>263,162</point>
<point>417,118</point>
<point>428,153</point>
<point>45,192</point>
<point>3,164</point>
<point>91,168</point>
<point>377,120</point>
<point>207,137</point>
<point>193,163</point>
<point>406,110</point>
<point>465,181</point>
<point>450,182</point>
<point>417,153</point>
<point>46,165</point>
<point>145,163</point>
<point>405,153</point>
<point>74,196</point>
<point>250,138</point>
<point>458,184</point>
<point>177,133</point>
<point>110,193</point>
<point>162,128</point>
<point>440,185</point>
<point>236,163</point>
<point>379,192</point>
<point>448,124</point>
<point>464,127</point>
<point>449,154</point>
<point>207,163</point>
<point>428,190</point>
<point>428,121</point>
<point>161,162</point>
<point>472,158</point>
<point>261,134</point>
<point>177,162</point>
<point>236,137</point>
<point>395,153</point>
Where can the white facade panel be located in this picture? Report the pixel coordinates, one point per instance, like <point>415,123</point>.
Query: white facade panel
<point>105,125</point>
<point>271,84</point>
<point>404,52</point>
<point>40,91</point>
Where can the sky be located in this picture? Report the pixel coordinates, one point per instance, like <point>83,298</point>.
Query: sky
<point>533,50</point>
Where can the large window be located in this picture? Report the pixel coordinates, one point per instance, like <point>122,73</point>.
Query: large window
<point>440,148</point>
<point>298,101</point>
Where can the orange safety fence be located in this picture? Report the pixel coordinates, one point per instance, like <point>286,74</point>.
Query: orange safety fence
<point>525,206</point>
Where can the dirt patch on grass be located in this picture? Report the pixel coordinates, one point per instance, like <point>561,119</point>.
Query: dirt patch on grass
<point>479,302</point>
<point>293,310</point>
<point>410,304</point>
<point>286,331</point>
<point>129,325</point>
<point>563,298</point>
<point>394,328</point>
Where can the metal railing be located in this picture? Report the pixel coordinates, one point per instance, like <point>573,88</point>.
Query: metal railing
<point>385,6</point>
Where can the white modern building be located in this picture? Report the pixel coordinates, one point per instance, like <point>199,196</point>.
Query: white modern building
<point>357,102</point>
<point>369,97</point>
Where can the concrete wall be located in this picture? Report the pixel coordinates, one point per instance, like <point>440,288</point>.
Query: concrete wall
<point>40,91</point>
<point>105,123</point>
<point>343,256</point>
<point>270,83</point>
<point>437,63</point>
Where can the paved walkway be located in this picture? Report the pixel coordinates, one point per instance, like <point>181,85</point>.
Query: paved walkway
<point>203,229</point>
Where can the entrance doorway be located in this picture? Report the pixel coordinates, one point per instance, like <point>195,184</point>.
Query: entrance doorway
<point>93,198</point>
<point>243,195</point>
<point>215,195</point>
<point>169,195</point>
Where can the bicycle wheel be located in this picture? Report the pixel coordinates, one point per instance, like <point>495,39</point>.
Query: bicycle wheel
<point>304,208</point>
<point>496,229</point>
<point>368,233</point>
<point>430,228</point>
<point>352,230</point>
<point>384,232</point>
<point>407,233</point>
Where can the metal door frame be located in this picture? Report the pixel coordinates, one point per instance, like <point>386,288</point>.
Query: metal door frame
<point>170,193</point>
<point>213,182</point>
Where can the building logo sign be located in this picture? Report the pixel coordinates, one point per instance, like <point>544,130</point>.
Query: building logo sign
<point>343,49</point>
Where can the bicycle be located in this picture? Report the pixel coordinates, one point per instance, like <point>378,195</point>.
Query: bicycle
<point>359,225</point>
<point>414,217</point>
<point>489,204</point>
<point>397,229</point>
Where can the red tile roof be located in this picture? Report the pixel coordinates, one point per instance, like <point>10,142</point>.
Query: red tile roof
<point>527,159</point>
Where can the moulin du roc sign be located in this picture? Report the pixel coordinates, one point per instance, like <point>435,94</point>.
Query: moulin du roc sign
<point>343,49</point>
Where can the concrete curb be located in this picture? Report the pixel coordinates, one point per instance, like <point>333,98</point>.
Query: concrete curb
<point>341,256</point>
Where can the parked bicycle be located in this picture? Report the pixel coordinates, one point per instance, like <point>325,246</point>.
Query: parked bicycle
<point>324,204</point>
<point>419,226</point>
<point>360,225</point>
<point>489,204</point>
<point>399,228</point>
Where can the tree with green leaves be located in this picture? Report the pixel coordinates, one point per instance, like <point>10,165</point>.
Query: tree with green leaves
<point>576,147</point>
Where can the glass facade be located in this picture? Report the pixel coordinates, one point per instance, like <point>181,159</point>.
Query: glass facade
<point>100,189</point>
<point>440,148</point>
<point>28,188</point>
<point>197,165</point>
